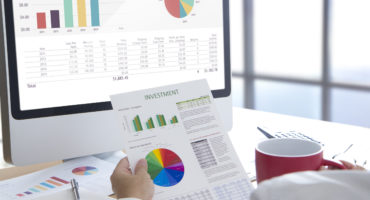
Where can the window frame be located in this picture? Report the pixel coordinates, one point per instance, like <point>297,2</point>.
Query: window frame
<point>325,83</point>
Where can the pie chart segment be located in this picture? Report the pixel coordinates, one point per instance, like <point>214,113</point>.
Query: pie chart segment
<point>169,158</point>
<point>85,170</point>
<point>179,8</point>
<point>158,155</point>
<point>187,6</point>
<point>167,169</point>
<point>177,167</point>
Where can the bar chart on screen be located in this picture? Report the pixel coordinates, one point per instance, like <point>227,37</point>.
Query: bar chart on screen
<point>40,16</point>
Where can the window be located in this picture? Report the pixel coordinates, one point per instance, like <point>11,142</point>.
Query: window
<point>307,58</point>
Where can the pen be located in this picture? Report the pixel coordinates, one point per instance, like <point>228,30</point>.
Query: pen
<point>268,135</point>
<point>74,185</point>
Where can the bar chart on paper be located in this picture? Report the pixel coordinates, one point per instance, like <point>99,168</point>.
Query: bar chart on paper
<point>155,121</point>
<point>49,184</point>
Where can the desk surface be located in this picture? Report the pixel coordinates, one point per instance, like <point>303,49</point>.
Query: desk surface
<point>336,137</point>
<point>245,136</point>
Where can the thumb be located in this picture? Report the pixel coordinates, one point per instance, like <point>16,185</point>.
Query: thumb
<point>141,167</point>
<point>347,164</point>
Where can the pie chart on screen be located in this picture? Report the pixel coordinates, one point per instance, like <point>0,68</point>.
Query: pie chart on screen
<point>165,167</point>
<point>85,170</point>
<point>179,8</point>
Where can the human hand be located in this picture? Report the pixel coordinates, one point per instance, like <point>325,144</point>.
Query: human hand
<point>125,184</point>
<point>351,166</point>
<point>348,165</point>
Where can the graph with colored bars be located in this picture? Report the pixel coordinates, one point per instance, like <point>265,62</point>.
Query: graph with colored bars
<point>160,119</point>
<point>52,183</point>
<point>174,120</point>
<point>137,124</point>
<point>81,7</point>
<point>150,124</point>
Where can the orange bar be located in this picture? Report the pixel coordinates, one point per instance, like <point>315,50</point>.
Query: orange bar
<point>54,183</point>
<point>41,188</point>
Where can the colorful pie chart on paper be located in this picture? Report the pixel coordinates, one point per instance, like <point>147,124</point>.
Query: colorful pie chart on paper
<point>86,170</point>
<point>165,167</point>
<point>179,8</point>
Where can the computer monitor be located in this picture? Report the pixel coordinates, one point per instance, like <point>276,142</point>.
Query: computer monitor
<point>62,60</point>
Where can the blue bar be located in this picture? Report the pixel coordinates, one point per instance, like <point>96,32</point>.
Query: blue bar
<point>95,14</point>
<point>47,185</point>
<point>34,190</point>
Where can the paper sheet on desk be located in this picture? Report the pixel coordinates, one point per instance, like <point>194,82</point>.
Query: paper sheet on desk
<point>57,178</point>
<point>178,130</point>
<point>67,194</point>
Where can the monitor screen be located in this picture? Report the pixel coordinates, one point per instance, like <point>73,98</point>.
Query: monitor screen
<point>71,55</point>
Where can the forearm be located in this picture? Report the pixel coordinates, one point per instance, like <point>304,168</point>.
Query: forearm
<point>129,199</point>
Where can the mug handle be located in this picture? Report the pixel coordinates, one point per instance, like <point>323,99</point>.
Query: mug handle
<point>332,164</point>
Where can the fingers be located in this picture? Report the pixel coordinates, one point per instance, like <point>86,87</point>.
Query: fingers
<point>141,167</point>
<point>349,165</point>
<point>123,166</point>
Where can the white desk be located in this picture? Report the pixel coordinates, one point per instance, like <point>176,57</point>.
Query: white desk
<point>336,137</point>
<point>245,136</point>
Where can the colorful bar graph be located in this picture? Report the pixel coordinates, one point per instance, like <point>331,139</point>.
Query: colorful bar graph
<point>41,20</point>
<point>68,13</point>
<point>174,120</point>
<point>150,124</point>
<point>41,188</point>
<point>137,124</point>
<point>95,13</point>
<point>60,180</point>
<point>81,11</point>
<point>34,190</point>
<point>55,19</point>
<point>161,120</point>
<point>54,183</point>
<point>47,185</point>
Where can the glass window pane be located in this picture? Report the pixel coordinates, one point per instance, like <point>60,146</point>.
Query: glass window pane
<point>288,37</point>
<point>351,41</point>
<point>237,36</point>
<point>288,98</point>
<point>350,107</point>
<point>1,129</point>
<point>238,92</point>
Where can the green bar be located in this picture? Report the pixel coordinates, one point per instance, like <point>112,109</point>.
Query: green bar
<point>161,118</point>
<point>147,125</point>
<point>151,122</point>
<point>134,121</point>
<point>140,126</point>
<point>164,120</point>
<point>159,121</point>
<point>68,13</point>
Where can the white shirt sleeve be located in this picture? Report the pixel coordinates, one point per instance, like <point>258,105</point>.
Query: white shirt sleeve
<point>338,185</point>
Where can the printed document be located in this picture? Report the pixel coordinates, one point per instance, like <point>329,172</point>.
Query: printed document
<point>91,173</point>
<point>178,131</point>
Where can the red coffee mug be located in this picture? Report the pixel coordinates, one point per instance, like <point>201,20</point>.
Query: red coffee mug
<point>275,157</point>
